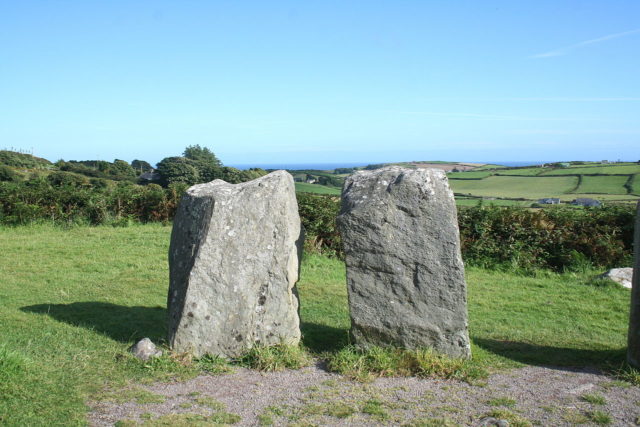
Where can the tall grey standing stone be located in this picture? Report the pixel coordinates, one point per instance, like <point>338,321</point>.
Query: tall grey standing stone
<point>405,275</point>
<point>633,350</point>
<point>234,260</point>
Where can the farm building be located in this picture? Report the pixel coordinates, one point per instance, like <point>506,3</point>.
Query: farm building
<point>549,201</point>
<point>586,202</point>
<point>148,177</point>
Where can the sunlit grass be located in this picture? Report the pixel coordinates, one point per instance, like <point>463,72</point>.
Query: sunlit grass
<point>73,301</point>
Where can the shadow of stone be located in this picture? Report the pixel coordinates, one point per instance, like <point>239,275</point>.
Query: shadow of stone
<point>318,338</point>
<point>543,355</point>
<point>119,322</point>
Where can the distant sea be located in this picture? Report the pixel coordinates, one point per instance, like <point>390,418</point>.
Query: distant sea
<point>331,166</point>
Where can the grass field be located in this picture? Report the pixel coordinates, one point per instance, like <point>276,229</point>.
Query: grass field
<point>516,187</point>
<point>625,169</point>
<point>523,171</point>
<point>303,187</point>
<point>488,167</point>
<point>635,184</point>
<point>603,184</point>
<point>73,301</point>
<point>469,175</point>
<point>498,202</point>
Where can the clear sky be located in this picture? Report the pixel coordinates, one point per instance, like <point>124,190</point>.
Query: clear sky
<point>322,81</point>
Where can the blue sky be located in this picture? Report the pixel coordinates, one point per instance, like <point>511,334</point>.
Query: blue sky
<point>322,81</point>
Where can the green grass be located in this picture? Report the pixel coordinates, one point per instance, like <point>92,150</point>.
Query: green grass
<point>514,419</point>
<point>516,187</point>
<point>603,184</point>
<point>276,358</point>
<point>470,174</point>
<point>502,401</point>
<point>602,197</point>
<point>635,184</point>
<point>599,417</point>
<point>595,399</point>
<point>73,301</point>
<point>489,167</point>
<point>624,169</point>
<point>364,365</point>
<point>523,171</point>
<point>460,201</point>
<point>303,187</point>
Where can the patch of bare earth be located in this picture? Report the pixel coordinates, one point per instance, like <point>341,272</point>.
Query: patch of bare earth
<point>311,396</point>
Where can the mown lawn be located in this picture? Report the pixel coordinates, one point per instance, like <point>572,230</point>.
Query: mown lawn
<point>73,301</point>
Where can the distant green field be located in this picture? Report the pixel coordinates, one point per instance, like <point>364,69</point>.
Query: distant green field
<point>635,184</point>
<point>523,171</point>
<point>603,197</point>
<point>516,186</point>
<point>303,187</point>
<point>603,184</point>
<point>625,169</point>
<point>474,202</point>
<point>485,167</point>
<point>470,174</point>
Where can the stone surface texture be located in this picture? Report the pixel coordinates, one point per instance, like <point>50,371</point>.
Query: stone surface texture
<point>234,260</point>
<point>145,349</point>
<point>405,275</point>
<point>633,351</point>
<point>622,276</point>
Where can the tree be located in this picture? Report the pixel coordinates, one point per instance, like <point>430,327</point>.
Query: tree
<point>202,155</point>
<point>208,165</point>
<point>174,170</point>
<point>141,166</point>
<point>120,168</point>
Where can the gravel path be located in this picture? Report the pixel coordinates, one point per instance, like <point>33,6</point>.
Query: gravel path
<point>311,396</point>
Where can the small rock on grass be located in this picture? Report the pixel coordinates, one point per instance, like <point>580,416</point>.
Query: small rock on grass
<point>623,276</point>
<point>145,349</point>
<point>490,421</point>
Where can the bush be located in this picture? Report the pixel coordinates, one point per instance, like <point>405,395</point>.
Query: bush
<point>21,160</point>
<point>558,239</point>
<point>8,174</point>
<point>491,237</point>
<point>318,214</point>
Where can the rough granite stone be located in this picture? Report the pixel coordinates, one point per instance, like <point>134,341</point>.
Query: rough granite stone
<point>145,349</point>
<point>622,276</point>
<point>405,275</point>
<point>234,260</point>
<point>633,350</point>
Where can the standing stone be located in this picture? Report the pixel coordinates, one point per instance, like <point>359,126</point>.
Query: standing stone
<point>405,275</point>
<point>633,351</point>
<point>233,261</point>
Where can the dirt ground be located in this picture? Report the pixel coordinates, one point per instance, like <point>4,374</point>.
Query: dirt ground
<point>543,396</point>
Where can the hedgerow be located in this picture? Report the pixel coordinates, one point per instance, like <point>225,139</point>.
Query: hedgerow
<point>492,237</point>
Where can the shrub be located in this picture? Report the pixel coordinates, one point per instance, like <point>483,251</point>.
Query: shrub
<point>558,239</point>
<point>318,214</point>
<point>21,160</point>
<point>8,174</point>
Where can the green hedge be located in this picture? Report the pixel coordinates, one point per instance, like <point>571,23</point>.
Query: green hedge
<point>66,201</point>
<point>493,237</point>
<point>510,237</point>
